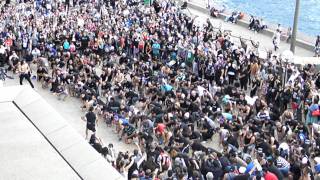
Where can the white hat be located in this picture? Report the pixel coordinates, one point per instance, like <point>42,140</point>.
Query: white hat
<point>209,176</point>
<point>187,115</point>
<point>242,170</point>
<point>304,160</point>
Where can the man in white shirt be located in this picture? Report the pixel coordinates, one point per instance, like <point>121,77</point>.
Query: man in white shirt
<point>2,55</point>
<point>13,59</point>
<point>35,53</point>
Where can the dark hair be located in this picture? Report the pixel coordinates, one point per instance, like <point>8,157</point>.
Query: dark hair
<point>92,139</point>
<point>91,108</point>
<point>105,151</point>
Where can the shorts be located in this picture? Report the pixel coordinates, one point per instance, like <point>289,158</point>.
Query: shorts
<point>91,127</point>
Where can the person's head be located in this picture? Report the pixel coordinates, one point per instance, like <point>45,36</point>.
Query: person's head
<point>278,125</point>
<point>152,147</point>
<point>92,139</point>
<point>170,174</point>
<point>209,176</point>
<point>135,175</point>
<point>196,175</point>
<point>91,109</point>
<point>135,152</point>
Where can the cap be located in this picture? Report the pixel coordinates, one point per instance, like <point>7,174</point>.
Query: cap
<point>209,176</point>
<point>304,160</point>
<point>242,170</point>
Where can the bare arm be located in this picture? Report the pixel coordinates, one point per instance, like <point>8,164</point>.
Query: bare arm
<point>155,174</point>
<point>126,168</point>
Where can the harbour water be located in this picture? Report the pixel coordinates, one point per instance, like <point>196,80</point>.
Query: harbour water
<point>280,11</point>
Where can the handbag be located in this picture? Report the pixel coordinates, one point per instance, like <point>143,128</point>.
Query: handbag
<point>316,112</point>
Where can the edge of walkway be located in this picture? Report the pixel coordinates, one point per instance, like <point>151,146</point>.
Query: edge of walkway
<point>302,42</point>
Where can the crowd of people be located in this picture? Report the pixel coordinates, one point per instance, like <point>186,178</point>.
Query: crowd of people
<point>194,102</point>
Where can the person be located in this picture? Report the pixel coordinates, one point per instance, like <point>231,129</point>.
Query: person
<point>313,107</point>
<point>249,142</point>
<point>96,143</point>
<point>276,39</point>
<point>214,12</point>
<point>279,28</point>
<point>2,55</point>
<point>128,132</point>
<point>62,92</point>
<point>24,73</point>
<point>176,79</point>
<point>91,119</point>
<point>282,164</point>
<point>317,47</point>
<point>3,76</point>
<point>289,34</point>
<point>233,18</point>
<point>13,61</point>
<point>263,25</point>
<point>269,175</point>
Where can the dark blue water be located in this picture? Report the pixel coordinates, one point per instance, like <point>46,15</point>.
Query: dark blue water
<point>281,11</point>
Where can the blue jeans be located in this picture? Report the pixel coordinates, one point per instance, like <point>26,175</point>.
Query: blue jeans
<point>284,171</point>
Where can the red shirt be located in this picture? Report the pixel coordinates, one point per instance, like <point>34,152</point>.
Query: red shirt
<point>270,176</point>
<point>160,128</point>
<point>9,42</point>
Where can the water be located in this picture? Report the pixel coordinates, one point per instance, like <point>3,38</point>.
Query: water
<point>281,11</point>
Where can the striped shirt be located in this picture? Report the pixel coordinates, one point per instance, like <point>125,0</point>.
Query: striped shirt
<point>129,130</point>
<point>282,163</point>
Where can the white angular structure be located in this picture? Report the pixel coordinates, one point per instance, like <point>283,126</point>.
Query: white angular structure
<point>37,143</point>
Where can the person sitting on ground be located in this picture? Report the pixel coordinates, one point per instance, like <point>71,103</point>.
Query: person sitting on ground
<point>128,132</point>
<point>233,18</point>
<point>61,92</point>
<point>214,12</point>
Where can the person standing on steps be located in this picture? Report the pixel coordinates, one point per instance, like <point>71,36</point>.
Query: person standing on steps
<point>91,119</point>
<point>276,39</point>
<point>289,34</point>
<point>24,73</point>
<point>317,47</point>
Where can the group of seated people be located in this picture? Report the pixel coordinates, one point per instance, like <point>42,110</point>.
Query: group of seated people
<point>196,104</point>
<point>257,25</point>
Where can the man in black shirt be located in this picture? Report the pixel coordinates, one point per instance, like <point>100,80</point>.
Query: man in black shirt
<point>91,119</point>
<point>84,42</point>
